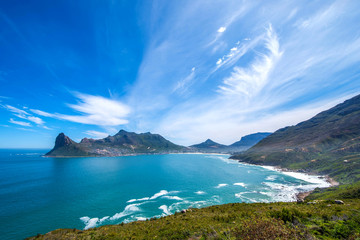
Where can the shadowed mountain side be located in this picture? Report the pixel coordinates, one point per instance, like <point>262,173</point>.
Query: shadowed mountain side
<point>250,140</point>
<point>122,143</point>
<point>65,147</point>
<point>328,143</point>
<point>243,144</point>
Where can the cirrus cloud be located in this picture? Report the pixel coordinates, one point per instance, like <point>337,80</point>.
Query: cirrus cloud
<point>93,110</point>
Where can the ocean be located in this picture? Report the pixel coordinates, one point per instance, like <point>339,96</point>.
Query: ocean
<point>39,194</point>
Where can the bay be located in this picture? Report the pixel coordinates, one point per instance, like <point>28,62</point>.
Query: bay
<point>39,194</point>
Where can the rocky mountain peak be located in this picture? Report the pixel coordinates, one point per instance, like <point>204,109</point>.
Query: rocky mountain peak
<point>62,140</point>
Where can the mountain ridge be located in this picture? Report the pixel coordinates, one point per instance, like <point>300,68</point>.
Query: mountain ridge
<point>243,144</point>
<point>130,143</point>
<point>122,143</point>
<point>328,143</point>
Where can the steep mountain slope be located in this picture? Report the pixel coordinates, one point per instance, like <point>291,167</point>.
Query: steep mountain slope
<point>328,143</point>
<point>65,147</point>
<point>243,144</point>
<point>122,143</point>
<point>250,140</point>
<point>208,144</point>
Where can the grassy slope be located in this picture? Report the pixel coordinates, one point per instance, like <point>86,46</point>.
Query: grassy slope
<point>313,148</point>
<point>320,144</point>
<point>324,220</point>
<point>348,191</point>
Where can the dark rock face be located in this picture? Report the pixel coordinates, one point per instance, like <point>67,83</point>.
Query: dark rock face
<point>250,140</point>
<point>64,146</point>
<point>122,143</point>
<point>62,140</point>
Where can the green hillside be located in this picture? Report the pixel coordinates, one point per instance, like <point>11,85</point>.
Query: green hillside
<point>328,143</point>
<point>320,220</point>
<point>122,143</point>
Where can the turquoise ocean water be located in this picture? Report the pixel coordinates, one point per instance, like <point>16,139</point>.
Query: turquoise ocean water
<point>40,194</point>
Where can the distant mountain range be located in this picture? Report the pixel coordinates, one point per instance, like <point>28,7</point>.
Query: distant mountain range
<point>130,143</point>
<point>208,145</point>
<point>122,143</point>
<point>243,144</point>
<point>328,143</point>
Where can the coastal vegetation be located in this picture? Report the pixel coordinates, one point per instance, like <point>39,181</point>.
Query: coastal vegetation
<point>323,219</point>
<point>327,144</point>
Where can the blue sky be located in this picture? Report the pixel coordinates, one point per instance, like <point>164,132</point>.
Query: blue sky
<point>189,70</point>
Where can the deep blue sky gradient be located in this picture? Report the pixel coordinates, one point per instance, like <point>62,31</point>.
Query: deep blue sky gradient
<point>156,64</point>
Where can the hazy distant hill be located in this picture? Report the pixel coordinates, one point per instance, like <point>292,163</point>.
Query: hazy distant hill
<point>243,144</point>
<point>122,143</point>
<point>208,146</point>
<point>328,143</point>
<point>250,140</point>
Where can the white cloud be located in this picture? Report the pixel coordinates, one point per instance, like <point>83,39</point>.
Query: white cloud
<point>229,19</point>
<point>16,110</point>
<point>24,115</point>
<point>184,84</point>
<point>235,53</point>
<point>224,123</point>
<point>221,29</point>
<point>21,123</point>
<point>277,79</point>
<point>96,134</point>
<point>42,113</point>
<point>94,110</point>
<point>35,120</point>
<point>249,81</point>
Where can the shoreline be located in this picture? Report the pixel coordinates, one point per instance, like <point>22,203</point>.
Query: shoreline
<point>300,197</point>
<point>299,174</point>
<point>135,154</point>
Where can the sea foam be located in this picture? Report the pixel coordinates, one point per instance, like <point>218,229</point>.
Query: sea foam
<point>200,192</point>
<point>240,184</point>
<point>165,209</point>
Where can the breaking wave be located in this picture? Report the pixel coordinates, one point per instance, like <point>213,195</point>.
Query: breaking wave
<point>273,188</point>
<point>200,192</point>
<point>240,184</point>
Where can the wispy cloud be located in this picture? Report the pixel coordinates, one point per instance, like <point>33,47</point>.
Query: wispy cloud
<point>277,75</point>
<point>16,110</point>
<point>221,29</point>
<point>240,11</point>
<point>236,52</point>
<point>94,110</point>
<point>42,113</point>
<point>21,123</point>
<point>209,69</point>
<point>248,81</point>
<point>182,86</point>
<point>23,115</point>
